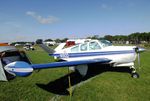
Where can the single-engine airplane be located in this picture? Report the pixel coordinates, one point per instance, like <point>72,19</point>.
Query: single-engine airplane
<point>80,55</point>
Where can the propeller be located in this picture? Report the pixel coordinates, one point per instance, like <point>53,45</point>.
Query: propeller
<point>139,62</point>
<point>138,50</point>
<point>138,56</point>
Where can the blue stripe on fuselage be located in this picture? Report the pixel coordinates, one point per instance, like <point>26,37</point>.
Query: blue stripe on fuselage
<point>86,54</point>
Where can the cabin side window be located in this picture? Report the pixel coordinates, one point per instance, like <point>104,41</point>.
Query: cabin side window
<point>105,43</point>
<point>83,47</point>
<point>75,49</point>
<point>94,46</point>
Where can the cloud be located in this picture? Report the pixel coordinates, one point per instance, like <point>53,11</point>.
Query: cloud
<point>42,20</point>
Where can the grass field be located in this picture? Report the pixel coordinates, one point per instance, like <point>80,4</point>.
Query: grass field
<point>105,86</point>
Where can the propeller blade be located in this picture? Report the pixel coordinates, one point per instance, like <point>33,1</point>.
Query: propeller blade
<point>138,51</point>
<point>139,62</point>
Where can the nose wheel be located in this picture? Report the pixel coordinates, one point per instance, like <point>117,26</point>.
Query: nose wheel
<point>134,74</point>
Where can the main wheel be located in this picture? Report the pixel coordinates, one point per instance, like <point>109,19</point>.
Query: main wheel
<point>135,75</point>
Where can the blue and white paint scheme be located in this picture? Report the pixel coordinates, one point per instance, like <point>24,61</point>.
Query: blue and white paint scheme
<point>94,49</point>
<point>19,68</point>
<point>79,56</point>
<point>120,56</point>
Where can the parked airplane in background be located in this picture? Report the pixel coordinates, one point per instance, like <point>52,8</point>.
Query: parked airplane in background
<point>79,56</point>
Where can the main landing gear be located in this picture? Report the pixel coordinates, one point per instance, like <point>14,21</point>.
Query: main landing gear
<point>134,74</point>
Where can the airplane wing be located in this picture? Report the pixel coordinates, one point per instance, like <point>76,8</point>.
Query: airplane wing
<point>21,68</point>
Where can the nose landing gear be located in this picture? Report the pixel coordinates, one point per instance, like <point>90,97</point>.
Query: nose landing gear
<point>134,74</point>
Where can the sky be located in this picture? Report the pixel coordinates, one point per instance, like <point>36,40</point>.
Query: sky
<point>28,20</point>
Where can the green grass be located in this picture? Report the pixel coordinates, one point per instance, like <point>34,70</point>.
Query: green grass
<point>107,86</point>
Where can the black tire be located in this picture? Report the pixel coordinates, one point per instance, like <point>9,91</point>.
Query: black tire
<point>135,75</point>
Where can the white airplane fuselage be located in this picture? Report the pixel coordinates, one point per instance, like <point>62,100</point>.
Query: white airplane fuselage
<point>120,55</point>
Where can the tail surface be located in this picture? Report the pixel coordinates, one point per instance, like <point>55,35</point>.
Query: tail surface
<point>47,49</point>
<point>60,47</point>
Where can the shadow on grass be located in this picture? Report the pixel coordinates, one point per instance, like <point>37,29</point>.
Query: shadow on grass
<point>61,85</point>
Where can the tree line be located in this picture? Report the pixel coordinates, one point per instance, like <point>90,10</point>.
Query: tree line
<point>133,38</point>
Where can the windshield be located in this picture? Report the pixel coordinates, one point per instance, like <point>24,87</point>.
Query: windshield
<point>105,43</point>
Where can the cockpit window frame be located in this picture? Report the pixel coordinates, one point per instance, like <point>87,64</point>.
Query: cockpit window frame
<point>93,48</point>
<point>105,43</point>
<point>84,47</point>
<point>98,43</point>
<point>76,46</point>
